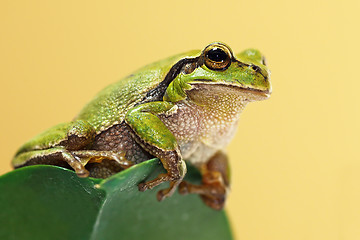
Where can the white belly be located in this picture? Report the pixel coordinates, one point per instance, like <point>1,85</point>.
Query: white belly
<point>200,132</point>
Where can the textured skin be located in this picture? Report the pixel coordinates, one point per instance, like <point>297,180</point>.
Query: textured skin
<point>119,138</point>
<point>107,110</point>
<point>182,108</point>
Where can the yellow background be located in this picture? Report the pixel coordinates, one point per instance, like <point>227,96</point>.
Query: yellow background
<point>295,158</point>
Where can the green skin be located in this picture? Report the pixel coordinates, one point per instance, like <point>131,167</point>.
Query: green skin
<point>126,102</point>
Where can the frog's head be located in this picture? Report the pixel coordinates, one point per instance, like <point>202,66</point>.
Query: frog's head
<point>216,65</point>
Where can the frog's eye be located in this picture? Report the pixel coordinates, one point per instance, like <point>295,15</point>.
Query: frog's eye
<point>217,57</point>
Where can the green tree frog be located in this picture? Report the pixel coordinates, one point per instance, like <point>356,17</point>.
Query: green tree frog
<point>184,108</point>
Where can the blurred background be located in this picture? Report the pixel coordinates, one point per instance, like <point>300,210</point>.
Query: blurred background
<point>295,158</point>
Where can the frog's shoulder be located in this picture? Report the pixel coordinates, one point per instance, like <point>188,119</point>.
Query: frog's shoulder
<point>111,104</point>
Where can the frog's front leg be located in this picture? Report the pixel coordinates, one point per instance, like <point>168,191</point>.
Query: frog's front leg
<point>152,134</point>
<point>215,182</point>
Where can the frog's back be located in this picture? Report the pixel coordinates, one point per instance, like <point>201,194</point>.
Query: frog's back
<point>112,103</point>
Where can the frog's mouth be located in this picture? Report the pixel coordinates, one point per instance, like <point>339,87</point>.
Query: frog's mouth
<point>253,93</point>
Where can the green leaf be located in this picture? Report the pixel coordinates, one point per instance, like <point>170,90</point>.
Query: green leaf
<point>49,202</point>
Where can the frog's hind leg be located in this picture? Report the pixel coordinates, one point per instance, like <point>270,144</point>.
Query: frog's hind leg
<point>215,182</point>
<point>54,146</point>
<point>95,156</point>
<point>52,156</point>
<point>103,164</point>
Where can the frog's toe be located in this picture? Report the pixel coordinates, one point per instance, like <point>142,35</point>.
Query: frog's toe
<point>216,203</point>
<point>162,194</point>
<point>143,187</point>
<point>83,173</point>
<point>184,188</point>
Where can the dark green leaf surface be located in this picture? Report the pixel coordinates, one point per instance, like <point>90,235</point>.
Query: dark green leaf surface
<point>48,202</point>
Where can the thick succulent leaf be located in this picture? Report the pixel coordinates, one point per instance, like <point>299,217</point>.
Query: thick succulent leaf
<point>48,202</point>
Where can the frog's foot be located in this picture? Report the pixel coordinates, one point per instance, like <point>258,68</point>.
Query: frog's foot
<point>93,156</point>
<point>162,194</point>
<point>153,183</point>
<point>75,163</point>
<point>213,193</point>
<point>51,156</point>
<point>175,175</point>
<point>215,182</point>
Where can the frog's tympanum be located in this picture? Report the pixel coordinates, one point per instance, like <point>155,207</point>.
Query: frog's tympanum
<point>184,108</point>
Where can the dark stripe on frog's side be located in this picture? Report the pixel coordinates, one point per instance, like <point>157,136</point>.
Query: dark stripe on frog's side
<point>157,93</point>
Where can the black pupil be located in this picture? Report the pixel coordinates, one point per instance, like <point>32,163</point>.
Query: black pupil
<point>217,55</point>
